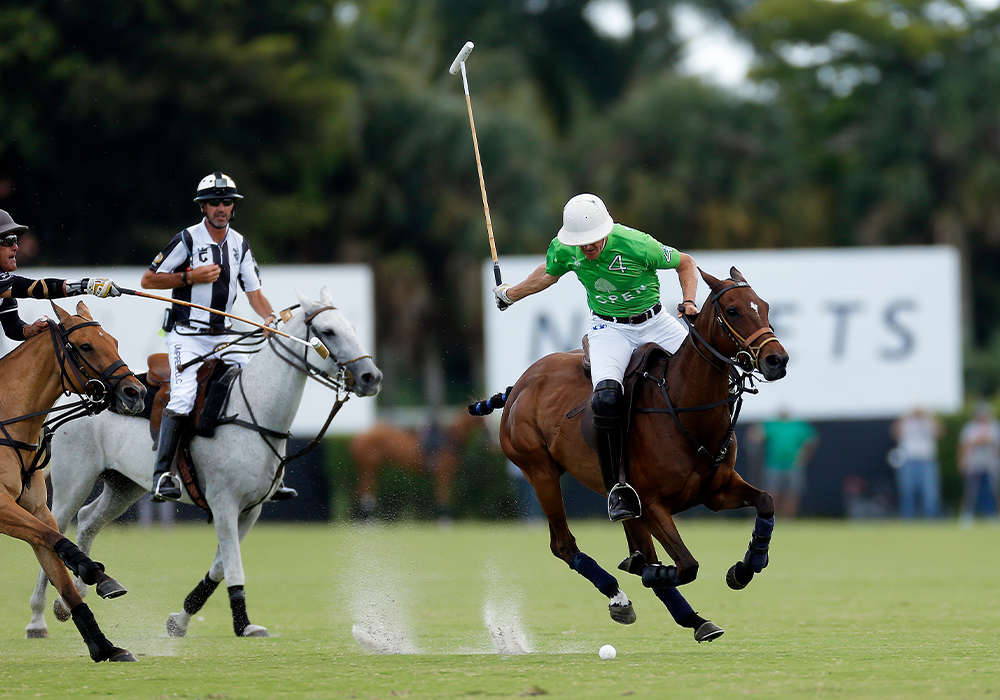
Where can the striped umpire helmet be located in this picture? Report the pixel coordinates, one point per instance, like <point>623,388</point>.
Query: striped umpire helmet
<point>216,186</point>
<point>8,225</point>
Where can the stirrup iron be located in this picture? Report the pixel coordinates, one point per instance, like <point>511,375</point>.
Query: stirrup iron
<point>157,496</point>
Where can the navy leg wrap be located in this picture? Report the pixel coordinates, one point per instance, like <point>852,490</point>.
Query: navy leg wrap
<point>487,406</point>
<point>238,606</point>
<point>592,571</point>
<point>760,541</point>
<point>678,607</point>
<point>197,597</point>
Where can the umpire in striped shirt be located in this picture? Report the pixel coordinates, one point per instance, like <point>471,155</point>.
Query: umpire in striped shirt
<point>203,264</point>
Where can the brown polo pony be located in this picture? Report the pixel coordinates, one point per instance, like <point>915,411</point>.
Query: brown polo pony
<point>75,356</point>
<point>385,444</point>
<point>680,445</point>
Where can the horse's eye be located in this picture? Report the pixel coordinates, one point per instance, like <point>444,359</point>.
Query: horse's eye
<point>329,334</point>
<point>733,312</point>
<point>86,347</point>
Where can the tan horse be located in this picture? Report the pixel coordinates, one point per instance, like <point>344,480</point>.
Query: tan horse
<point>386,444</point>
<point>76,356</point>
<point>681,445</point>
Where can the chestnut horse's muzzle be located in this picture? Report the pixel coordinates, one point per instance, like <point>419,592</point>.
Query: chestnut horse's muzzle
<point>772,365</point>
<point>130,396</point>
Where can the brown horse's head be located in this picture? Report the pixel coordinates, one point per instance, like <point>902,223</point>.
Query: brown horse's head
<point>90,361</point>
<point>734,320</point>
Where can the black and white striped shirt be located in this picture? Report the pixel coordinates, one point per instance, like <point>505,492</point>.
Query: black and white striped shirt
<point>194,247</point>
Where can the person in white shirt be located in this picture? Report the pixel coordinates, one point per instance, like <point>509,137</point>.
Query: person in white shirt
<point>918,475</point>
<point>205,264</point>
<point>978,460</point>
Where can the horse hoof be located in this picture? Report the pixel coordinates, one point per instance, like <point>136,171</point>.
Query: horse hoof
<point>109,588</point>
<point>176,625</point>
<point>252,630</point>
<point>708,631</point>
<point>36,633</point>
<point>624,614</point>
<point>118,654</point>
<point>60,610</point>
<point>738,576</point>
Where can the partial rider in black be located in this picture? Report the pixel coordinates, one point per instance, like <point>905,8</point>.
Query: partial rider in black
<point>13,287</point>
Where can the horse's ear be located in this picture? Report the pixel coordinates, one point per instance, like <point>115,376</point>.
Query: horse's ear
<point>736,275</point>
<point>82,310</point>
<point>307,304</point>
<point>709,280</point>
<point>62,314</point>
<point>324,296</point>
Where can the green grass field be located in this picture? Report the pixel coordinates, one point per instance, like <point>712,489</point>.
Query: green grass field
<point>844,610</point>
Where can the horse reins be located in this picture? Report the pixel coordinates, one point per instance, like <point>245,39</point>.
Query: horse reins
<point>338,383</point>
<point>739,374</point>
<point>94,391</point>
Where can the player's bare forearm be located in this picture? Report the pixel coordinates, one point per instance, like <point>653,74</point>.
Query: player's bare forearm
<point>538,280</point>
<point>687,273</point>
<point>161,280</point>
<point>260,304</point>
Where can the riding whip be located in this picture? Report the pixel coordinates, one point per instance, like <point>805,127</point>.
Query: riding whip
<point>459,62</point>
<point>313,343</point>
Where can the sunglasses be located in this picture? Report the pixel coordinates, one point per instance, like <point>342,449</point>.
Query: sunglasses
<point>227,202</point>
<point>8,241</point>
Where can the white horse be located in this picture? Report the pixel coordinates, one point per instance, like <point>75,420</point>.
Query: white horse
<point>236,468</point>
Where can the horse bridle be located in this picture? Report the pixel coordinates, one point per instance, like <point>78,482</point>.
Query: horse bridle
<point>342,379</point>
<point>99,385</point>
<point>747,355</point>
<point>740,368</point>
<point>94,391</point>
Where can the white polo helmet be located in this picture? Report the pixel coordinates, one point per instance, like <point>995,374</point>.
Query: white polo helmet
<point>218,185</point>
<point>585,220</point>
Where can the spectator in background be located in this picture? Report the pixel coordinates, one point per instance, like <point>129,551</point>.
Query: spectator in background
<point>978,460</point>
<point>789,444</point>
<point>918,475</point>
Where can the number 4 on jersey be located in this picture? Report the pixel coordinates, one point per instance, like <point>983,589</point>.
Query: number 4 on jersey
<point>617,264</point>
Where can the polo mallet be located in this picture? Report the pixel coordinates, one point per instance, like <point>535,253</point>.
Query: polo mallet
<point>313,343</point>
<point>459,62</point>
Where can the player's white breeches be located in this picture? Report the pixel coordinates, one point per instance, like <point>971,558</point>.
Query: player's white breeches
<point>611,344</point>
<point>183,348</point>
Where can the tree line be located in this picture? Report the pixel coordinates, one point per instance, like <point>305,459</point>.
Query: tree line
<point>863,122</point>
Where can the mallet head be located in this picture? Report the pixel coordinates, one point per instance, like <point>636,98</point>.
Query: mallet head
<point>460,58</point>
<point>318,346</point>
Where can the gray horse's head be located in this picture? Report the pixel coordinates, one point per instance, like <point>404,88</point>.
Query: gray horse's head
<point>340,338</point>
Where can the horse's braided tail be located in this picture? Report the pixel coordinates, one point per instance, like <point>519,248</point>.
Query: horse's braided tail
<point>485,407</point>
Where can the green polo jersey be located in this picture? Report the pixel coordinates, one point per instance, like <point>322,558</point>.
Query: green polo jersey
<point>622,281</point>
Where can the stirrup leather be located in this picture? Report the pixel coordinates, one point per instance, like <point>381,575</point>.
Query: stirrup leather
<point>630,497</point>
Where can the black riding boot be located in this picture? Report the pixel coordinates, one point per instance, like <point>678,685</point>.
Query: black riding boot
<point>165,486</point>
<point>608,404</point>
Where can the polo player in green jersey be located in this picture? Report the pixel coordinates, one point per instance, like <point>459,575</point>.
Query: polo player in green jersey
<point>617,266</point>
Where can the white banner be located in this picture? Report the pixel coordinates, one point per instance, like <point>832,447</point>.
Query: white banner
<point>870,332</point>
<point>136,322</point>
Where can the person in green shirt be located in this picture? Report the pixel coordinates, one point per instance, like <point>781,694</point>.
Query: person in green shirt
<point>789,444</point>
<point>617,267</point>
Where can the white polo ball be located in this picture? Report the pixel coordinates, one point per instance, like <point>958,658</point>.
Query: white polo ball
<point>607,652</point>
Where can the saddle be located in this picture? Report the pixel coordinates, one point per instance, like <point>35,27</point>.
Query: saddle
<point>649,357</point>
<point>215,380</point>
